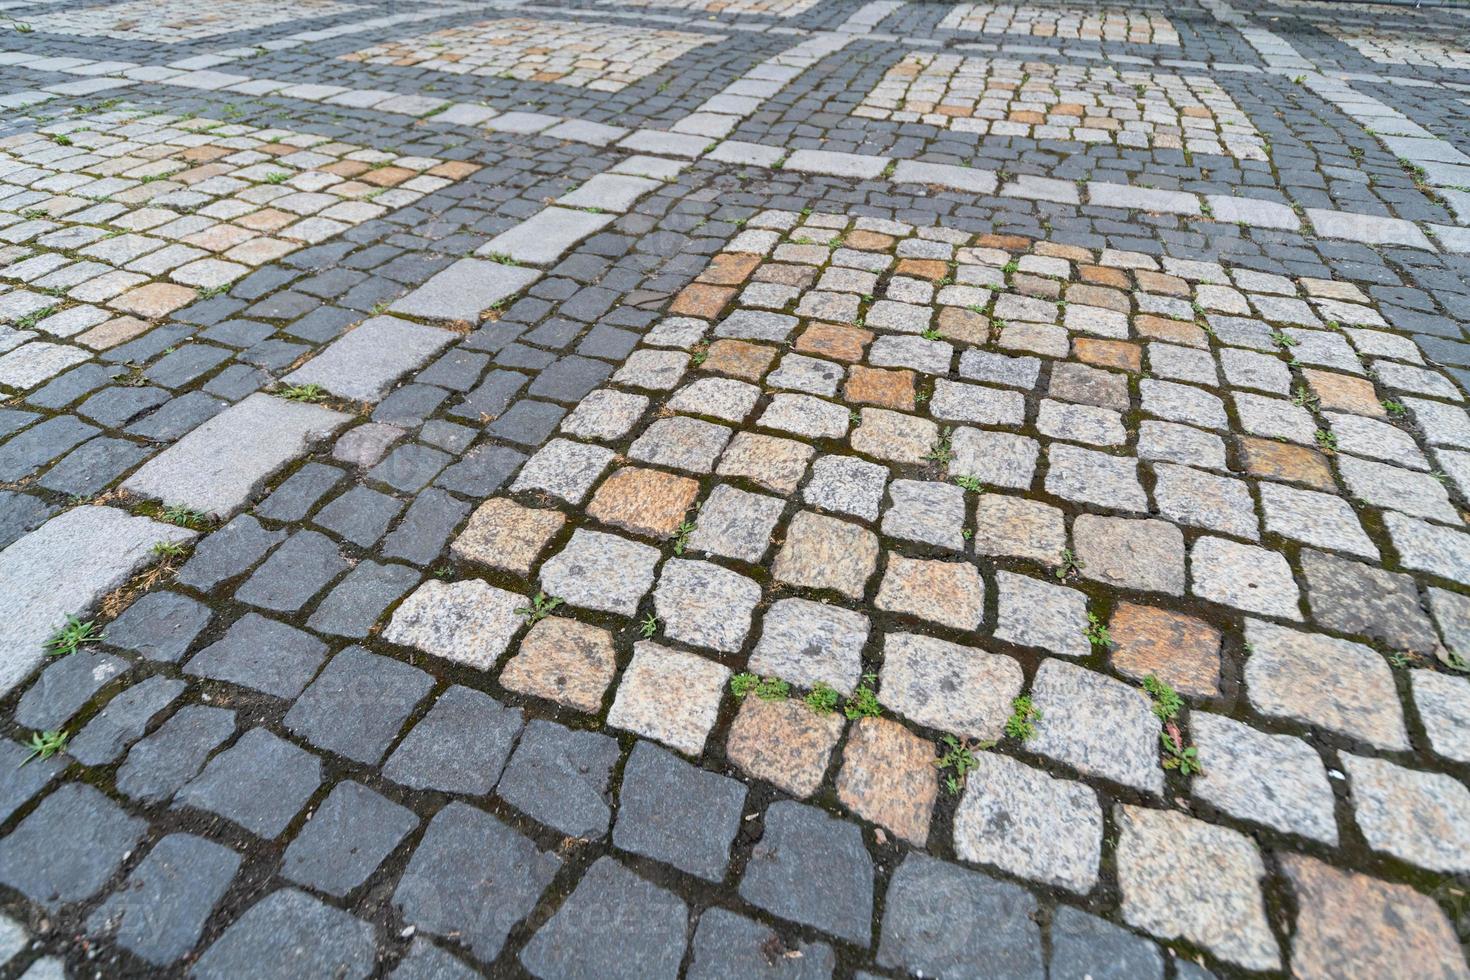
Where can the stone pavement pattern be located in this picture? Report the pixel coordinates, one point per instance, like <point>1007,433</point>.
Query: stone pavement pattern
<point>730,488</point>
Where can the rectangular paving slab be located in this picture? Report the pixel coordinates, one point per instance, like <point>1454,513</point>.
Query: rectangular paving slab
<point>62,569</point>
<point>220,465</point>
<point>365,362</point>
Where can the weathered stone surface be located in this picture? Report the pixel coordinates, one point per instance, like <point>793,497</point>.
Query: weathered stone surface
<point>677,813</point>
<point>560,777</point>
<point>1354,598</point>
<point>888,777</point>
<point>1420,817</point>
<point>460,746</point>
<point>783,742</point>
<point>503,534</point>
<point>54,870</point>
<point>1040,614</point>
<point>1019,528</point>
<point>1097,725</point>
<point>163,762</point>
<point>1444,707</point>
<point>600,571</point>
<point>465,290</point>
<point>564,661</point>
<point>472,878</point>
<point>1084,945</point>
<point>943,685</point>
<point>1218,907</point>
<point>932,924</point>
<point>588,936</point>
<point>825,553</point>
<point>1146,555</point>
<point>1276,780</point>
<point>1243,576</point>
<point>1283,678</point>
<point>1179,650</point>
<point>262,654</point>
<point>949,593</point>
<point>260,783</point>
<point>299,937</point>
<point>650,503</point>
<point>669,696</point>
<point>705,604</point>
<point>783,875</point>
<point>1351,923</point>
<point>1030,824</point>
<point>357,704</point>
<point>220,465</point>
<point>37,592</point>
<point>346,839</point>
<point>727,946</point>
<point>123,720</point>
<point>365,362</point>
<point>159,913</point>
<point>468,622</point>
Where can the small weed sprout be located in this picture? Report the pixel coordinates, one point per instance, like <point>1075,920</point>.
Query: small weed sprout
<point>44,745</point>
<point>648,626</point>
<point>73,635</point>
<point>540,607</point>
<point>168,549</point>
<point>1068,567</point>
<point>1097,633</point>
<point>941,452</point>
<point>821,699</point>
<point>957,762</point>
<point>681,536</point>
<point>1167,703</point>
<point>1177,755</point>
<point>303,393</point>
<point>277,177</point>
<point>1021,725</point>
<point>970,483</point>
<point>864,702</point>
<point>184,517</point>
<point>765,688</point>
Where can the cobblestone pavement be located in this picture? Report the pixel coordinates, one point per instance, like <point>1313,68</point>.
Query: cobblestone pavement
<point>734,488</point>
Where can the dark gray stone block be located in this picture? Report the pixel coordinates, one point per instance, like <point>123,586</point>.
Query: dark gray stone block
<point>941,918</point>
<point>614,925</point>
<point>261,783</point>
<point>460,746</point>
<point>812,868</point>
<point>472,878</point>
<point>358,704</point>
<point>560,776</point>
<point>288,935</point>
<point>54,869</point>
<point>159,912</point>
<point>262,654</point>
<point>677,813</point>
<point>346,839</point>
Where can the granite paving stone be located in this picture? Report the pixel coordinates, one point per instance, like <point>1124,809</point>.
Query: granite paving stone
<point>1030,824</point>
<point>781,876</point>
<point>159,913</point>
<point>260,783</point>
<point>931,923</point>
<point>588,935</point>
<point>677,813</point>
<point>698,487</point>
<point>472,878</point>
